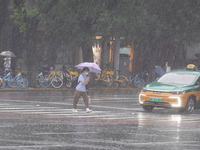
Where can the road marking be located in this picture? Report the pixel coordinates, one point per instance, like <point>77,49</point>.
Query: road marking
<point>108,99</point>
<point>65,103</point>
<point>7,126</point>
<point>5,104</point>
<point>55,146</point>
<point>96,106</point>
<point>63,133</point>
<point>31,107</point>
<point>138,143</point>
<point>83,116</point>
<point>116,107</point>
<point>25,101</point>
<point>51,145</point>
<point>120,117</point>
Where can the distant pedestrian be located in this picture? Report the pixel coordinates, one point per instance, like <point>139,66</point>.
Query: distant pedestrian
<point>167,68</point>
<point>81,90</point>
<point>7,64</point>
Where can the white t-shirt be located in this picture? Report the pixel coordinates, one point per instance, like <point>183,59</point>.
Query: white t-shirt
<point>7,62</point>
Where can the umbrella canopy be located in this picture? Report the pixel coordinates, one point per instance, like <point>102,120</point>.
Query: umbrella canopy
<point>7,53</point>
<point>92,66</point>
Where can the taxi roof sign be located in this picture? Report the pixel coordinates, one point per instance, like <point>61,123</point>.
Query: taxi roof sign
<point>191,67</point>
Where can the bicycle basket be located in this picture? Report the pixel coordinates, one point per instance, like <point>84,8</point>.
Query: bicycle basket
<point>73,73</point>
<point>110,73</point>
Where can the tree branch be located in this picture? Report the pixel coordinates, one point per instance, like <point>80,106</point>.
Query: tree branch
<point>49,6</point>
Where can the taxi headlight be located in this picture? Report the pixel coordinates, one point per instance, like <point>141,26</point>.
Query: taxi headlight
<point>178,92</point>
<point>140,97</point>
<point>178,101</point>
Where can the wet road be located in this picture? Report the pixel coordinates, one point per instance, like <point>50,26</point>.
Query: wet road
<point>43,120</point>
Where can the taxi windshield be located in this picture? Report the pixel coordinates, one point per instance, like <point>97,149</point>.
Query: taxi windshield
<point>178,78</point>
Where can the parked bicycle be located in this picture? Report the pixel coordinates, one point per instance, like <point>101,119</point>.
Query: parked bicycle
<point>15,81</point>
<point>22,80</point>
<point>1,82</point>
<point>120,81</point>
<point>70,77</point>
<point>138,79</point>
<point>107,78</point>
<point>49,78</point>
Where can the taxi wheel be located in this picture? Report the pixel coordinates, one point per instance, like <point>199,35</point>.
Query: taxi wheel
<point>148,108</point>
<point>189,107</point>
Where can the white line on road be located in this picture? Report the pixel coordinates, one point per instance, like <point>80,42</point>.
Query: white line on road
<point>31,108</point>
<point>108,99</point>
<point>63,133</point>
<point>37,102</point>
<point>120,108</point>
<point>65,103</point>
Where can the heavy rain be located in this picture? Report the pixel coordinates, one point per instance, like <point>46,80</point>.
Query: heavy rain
<point>99,74</point>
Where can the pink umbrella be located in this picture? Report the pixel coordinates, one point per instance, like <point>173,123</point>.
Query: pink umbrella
<point>92,66</point>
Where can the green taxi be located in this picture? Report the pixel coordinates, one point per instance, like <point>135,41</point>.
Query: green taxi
<point>178,89</point>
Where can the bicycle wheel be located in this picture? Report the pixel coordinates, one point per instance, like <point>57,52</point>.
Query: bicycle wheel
<point>115,84</point>
<point>138,82</point>
<point>22,82</point>
<point>2,83</point>
<point>44,81</point>
<point>123,81</point>
<point>12,82</point>
<point>68,83</point>
<point>107,82</point>
<point>38,83</point>
<point>97,79</point>
<point>57,82</point>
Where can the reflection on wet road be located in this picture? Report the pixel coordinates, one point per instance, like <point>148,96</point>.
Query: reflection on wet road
<point>44,120</point>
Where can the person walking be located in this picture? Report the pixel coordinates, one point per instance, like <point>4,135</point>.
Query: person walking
<point>7,64</point>
<point>81,90</point>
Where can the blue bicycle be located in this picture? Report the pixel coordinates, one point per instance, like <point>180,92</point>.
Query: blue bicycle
<point>137,80</point>
<point>15,81</point>
<point>43,80</point>
<point>22,81</point>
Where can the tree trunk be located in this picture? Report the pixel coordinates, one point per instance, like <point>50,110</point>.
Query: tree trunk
<point>51,54</point>
<point>31,59</point>
<point>77,56</point>
<point>3,9</point>
<point>7,28</point>
<point>105,53</point>
<point>116,54</point>
<point>87,53</point>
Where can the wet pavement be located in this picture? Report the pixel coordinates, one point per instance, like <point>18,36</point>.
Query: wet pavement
<point>31,120</point>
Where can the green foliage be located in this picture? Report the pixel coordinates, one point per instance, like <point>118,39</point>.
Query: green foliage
<point>18,16</point>
<point>33,13</point>
<point>76,22</point>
